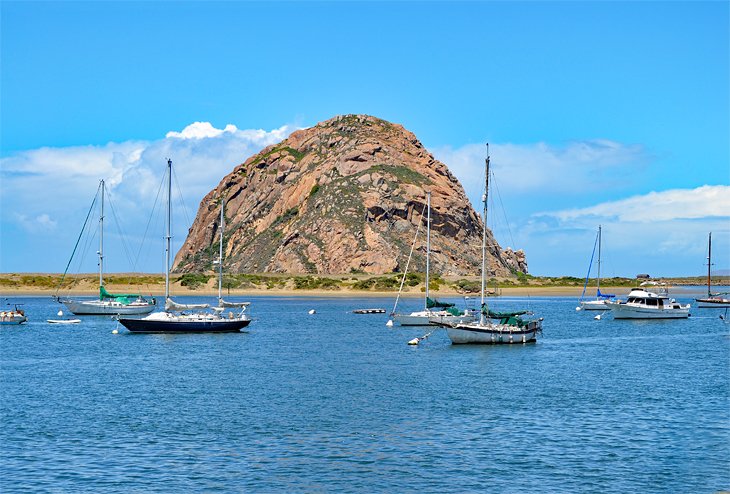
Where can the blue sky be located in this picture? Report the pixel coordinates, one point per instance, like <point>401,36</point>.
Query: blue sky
<point>615,113</point>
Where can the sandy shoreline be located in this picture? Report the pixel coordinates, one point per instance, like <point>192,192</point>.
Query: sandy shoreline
<point>277,292</point>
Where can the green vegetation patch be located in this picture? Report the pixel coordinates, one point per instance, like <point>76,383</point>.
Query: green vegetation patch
<point>316,283</point>
<point>378,283</point>
<point>194,280</point>
<point>467,286</point>
<point>297,155</point>
<point>134,280</point>
<point>254,281</point>
<point>403,174</point>
<point>285,217</point>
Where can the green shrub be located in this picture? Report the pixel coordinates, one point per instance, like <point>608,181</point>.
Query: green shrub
<point>194,280</point>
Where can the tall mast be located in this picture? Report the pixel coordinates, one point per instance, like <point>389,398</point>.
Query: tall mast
<point>484,234</point>
<point>709,264</point>
<point>598,284</point>
<point>428,244</point>
<point>168,235</point>
<point>220,253</point>
<point>101,238</point>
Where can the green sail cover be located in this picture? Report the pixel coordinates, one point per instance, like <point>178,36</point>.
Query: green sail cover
<point>122,298</point>
<point>507,318</point>
<point>454,311</point>
<point>433,303</point>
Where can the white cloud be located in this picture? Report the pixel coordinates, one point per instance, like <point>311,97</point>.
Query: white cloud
<point>662,232</point>
<point>575,168</point>
<point>709,201</point>
<point>42,223</point>
<point>201,130</point>
<point>53,187</point>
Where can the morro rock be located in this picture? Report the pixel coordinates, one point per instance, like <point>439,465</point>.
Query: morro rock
<point>344,196</point>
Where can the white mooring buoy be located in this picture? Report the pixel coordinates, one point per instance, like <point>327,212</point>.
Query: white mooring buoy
<point>598,317</point>
<point>116,331</point>
<point>60,313</point>
<point>389,323</point>
<point>312,311</point>
<point>578,308</point>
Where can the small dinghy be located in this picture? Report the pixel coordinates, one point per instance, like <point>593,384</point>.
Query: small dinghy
<point>63,321</point>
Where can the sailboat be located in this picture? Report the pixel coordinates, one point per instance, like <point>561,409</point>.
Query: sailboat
<point>433,309</point>
<point>188,318</point>
<point>223,303</point>
<point>107,303</point>
<point>713,300</point>
<point>599,303</point>
<point>493,327</point>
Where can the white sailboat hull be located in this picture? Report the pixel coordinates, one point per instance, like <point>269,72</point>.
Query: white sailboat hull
<point>493,334</point>
<point>431,318</point>
<point>107,307</point>
<point>594,305</point>
<point>712,303</point>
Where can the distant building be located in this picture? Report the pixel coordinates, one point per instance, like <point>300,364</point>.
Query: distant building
<point>643,277</point>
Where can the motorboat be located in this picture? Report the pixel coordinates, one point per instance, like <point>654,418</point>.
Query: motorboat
<point>642,303</point>
<point>12,317</point>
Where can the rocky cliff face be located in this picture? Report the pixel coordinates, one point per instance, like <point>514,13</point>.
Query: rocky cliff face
<point>343,196</point>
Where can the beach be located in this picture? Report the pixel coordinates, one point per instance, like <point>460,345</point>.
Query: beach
<point>41,284</point>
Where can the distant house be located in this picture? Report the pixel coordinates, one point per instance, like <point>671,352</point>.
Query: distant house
<point>643,277</point>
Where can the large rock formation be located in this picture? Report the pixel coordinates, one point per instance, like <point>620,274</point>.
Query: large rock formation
<point>343,196</point>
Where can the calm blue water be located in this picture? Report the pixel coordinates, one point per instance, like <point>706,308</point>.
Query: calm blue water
<point>339,402</point>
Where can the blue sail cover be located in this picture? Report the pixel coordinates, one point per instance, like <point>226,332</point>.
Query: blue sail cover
<point>604,295</point>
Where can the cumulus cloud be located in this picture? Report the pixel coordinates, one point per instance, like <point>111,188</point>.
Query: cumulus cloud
<point>53,187</point>
<point>201,130</point>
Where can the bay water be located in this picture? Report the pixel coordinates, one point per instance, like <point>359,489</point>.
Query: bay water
<point>336,401</point>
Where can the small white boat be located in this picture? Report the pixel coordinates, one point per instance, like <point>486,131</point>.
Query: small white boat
<point>645,304</point>
<point>11,317</point>
<point>63,321</point>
